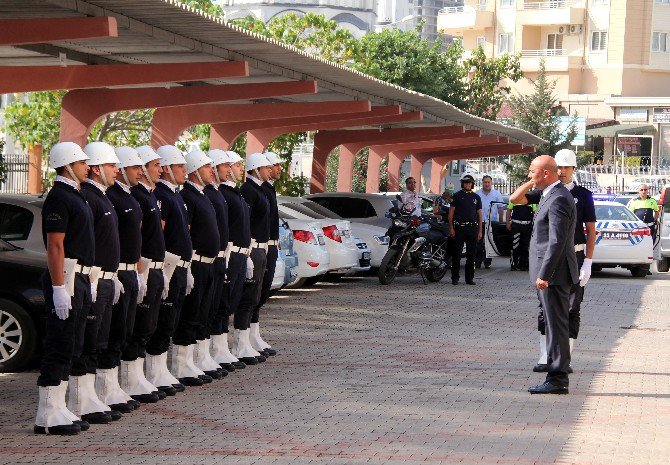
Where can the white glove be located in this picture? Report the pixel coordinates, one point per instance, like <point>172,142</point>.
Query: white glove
<point>190,282</point>
<point>118,290</point>
<point>62,302</point>
<point>94,292</point>
<point>142,287</point>
<point>166,286</point>
<point>250,268</point>
<point>585,272</point>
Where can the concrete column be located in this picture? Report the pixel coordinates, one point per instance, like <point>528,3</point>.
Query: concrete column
<point>345,170</point>
<point>374,164</point>
<point>35,169</point>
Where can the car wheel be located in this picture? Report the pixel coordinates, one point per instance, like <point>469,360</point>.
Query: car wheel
<point>312,281</point>
<point>18,337</point>
<point>596,268</point>
<point>639,271</point>
<point>663,265</point>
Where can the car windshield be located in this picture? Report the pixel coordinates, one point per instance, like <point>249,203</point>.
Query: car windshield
<point>316,208</point>
<point>614,212</point>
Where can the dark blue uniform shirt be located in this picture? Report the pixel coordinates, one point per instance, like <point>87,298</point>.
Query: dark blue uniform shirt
<point>466,204</point>
<point>173,212</point>
<point>238,216</point>
<point>221,209</point>
<point>65,211</point>
<point>153,242</point>
<point>202,218</point>
<point>105,227</point>
<point>271,195</point>
<point>259,209</point>
<point>129,213</point>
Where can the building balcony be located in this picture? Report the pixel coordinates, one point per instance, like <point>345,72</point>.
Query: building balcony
<point>454,20</point>
<point>554,59</point>
<point>563,12</point>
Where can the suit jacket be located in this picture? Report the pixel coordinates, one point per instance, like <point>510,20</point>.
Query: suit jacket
<point>552,251</point>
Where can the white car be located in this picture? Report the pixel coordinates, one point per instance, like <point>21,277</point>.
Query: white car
<point>622,240</point>
<point>364,256</point>
<point>280,274</point>
<point>310,247</point>
<point>342,250</point>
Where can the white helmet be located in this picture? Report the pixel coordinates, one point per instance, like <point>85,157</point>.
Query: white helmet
<point>100,153</point>
<point>196,159</point>
<point>128,156</point>
<point>566,157</point>
<point>234,157</point>
<point>170,155</point>
<point>273,158</point>
<point>255,161</point>
<point>218,157</point>
<point>147,154</point>
<point>64,153</point>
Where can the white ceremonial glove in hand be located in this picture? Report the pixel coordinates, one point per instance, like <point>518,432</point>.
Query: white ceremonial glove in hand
<point>118,290</point>
<point>190,282</point>
<point>94,292</point>
<point>585,272</point>
<point>62,302</point>
<point>142,287</point>
<point>250,268</point>
<point>166,286</point>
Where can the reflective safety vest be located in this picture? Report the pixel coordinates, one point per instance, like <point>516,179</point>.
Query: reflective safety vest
<point>644,209</point>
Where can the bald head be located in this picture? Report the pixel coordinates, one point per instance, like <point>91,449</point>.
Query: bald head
<point>543,171</point>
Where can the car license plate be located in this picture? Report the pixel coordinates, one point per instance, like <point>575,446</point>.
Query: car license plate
<point>322,241</point>
<point>615,235</point>
<point>366,256</point>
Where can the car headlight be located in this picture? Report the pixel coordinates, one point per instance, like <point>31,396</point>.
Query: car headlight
<point>384,240</point>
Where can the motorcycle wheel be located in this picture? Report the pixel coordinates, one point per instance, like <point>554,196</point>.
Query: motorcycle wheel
<point>386,272</point>
<point>434,275</point>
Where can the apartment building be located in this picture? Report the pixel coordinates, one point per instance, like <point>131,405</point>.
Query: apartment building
<point>610,60</point>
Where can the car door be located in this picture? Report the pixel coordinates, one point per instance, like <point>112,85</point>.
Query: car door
<point>497,239</point>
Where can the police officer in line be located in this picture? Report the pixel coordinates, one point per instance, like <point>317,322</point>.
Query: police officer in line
<point>646,209</point>
<point>67,231</point>
<point>240,266</point>
<point>105,287</point>
<point>120,326</point>
<point>585,244</point>
<point>520,223</point>
<point>193,327</point>
<point>259,170</point>
<point>465,227</point>
<point>148,312</point>
<point>177,277</point>
<point>270,192</point>
<point>219,307</point>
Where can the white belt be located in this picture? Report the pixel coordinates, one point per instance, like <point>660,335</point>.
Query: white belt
<point>78,268</point>
<point>240,250</point>
<point>156,265</point>
<point>184,263</point>
<point>221,254</point>
<point>259,245</point>
<point>127,266</point>
<point>107,275</point>
<point>274,242</point>
<point>202,259</point>
<point>521,222</point>
<point>580,247</point>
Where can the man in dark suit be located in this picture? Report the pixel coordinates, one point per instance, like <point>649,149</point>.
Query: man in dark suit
<point>553,268</point>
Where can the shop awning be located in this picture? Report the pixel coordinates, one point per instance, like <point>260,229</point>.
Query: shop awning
<point>621,130</point>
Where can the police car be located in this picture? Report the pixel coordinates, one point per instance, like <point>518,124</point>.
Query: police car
<point>622,240</point>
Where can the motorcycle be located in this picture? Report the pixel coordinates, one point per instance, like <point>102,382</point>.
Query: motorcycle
<point>416,244</point>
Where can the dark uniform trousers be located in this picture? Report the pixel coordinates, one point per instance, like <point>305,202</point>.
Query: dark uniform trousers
<point>576,297</point>
<point>558,355</point>
<point>237,271</point>
<point>193,322</point>
<point>144,318</point>
<point>481,252</point>
<point>168,315</point>
<point>219,306</point>
<point>98,317</point>
<point>251,293</point>
<point>64,339</point>
<point>271,265</point>
<point>520,244</point>
<point>464,234</point>
<point>115,331</point>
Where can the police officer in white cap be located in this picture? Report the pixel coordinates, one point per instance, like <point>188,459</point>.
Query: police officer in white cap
<point>193,327</point>
<point>67,229</point>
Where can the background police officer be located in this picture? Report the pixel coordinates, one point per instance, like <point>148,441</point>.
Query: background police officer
<point>67,230</point>
<point>465,225</point>
<point>645,208</point>
<point>520,223</point>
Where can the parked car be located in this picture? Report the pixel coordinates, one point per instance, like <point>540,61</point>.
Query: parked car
<point>364,256</point>
<point>287,252</point>
<point>22,264</point>
<point>310,246</point>
<point>280,273</point>
<point>357,206</point>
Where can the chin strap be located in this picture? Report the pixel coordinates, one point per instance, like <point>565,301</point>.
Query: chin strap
<point>197,175</point>
<point>146,175</point>
<point>232,175</point>
<point>169,171</point>
<point>68,168</point>
<point>125,177</point>
<point>216,175</point>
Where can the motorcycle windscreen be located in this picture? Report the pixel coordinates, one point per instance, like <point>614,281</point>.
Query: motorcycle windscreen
<point>497,239</point>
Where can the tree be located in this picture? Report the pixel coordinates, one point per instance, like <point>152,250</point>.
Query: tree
<point>538,113</point>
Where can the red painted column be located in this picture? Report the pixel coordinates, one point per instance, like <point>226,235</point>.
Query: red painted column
<point>345,171</point>
<point>416,165</point>
<point>435,175</point>
<point>395,163</point>
<point>375,156</point>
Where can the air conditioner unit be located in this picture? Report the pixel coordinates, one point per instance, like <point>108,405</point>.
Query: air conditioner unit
<point>575,29</point>
<point>564,29</point>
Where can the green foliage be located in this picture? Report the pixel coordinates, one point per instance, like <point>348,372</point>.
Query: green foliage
<point>332,168</point>
<point>360,175</point>
<point>205,6</point>
<point>584,158</point>
<point>3,168</point>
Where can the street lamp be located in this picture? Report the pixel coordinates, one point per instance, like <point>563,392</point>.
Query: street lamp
<point>379,27</point>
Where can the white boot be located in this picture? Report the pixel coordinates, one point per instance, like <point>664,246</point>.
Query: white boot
<point>83,402</point>
<point>157,372</point>
<point>62,404</point>
<point>255,338</point>
<point>108,390</point>
<point>203,359</point>
<point>220,351</point>
<point>51,417</point>
<point>134,383</point>
<point>244,350</point>
<point>182,363</point>
<point>543,350</point>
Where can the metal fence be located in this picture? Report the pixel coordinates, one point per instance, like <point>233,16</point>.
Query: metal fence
<point>16,174</point>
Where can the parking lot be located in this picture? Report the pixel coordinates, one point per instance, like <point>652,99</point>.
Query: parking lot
<point>404,373</point>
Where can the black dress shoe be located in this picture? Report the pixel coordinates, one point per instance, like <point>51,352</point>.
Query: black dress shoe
<point>487,266</point>
<point>116,415</point>
<point>214,374</point>
<point>179,387</point>
<point>161,395</point>
<point>60,430</point>
<point>168,390</point>
<point>270,351</point>
<point>478,265</point>
<point>239,365</point>
<point>123,408</point>
<point>135,403</point>
<point>513,268</point>
<point>548,388</point>
<point>454,282</point>
<point>261,358</point>
<point>249,360</point>
<point>191,381</point>
<point>206,379</point>
<point>569,369</point>
<point>97,418</point>
<point>471,283</point>
<point>150,398</point>
<point>541,368</point>
<point>229,367</point>
<point>223,372</point>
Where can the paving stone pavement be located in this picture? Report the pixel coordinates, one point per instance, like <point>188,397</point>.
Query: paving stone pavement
<point>403,374</point>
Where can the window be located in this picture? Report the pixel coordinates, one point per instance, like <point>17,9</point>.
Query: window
<point>505,43</point>
<point>481,41</point>
<point>663,1</point>
<point>659,41</point>
<point>347,207</point>
<point>554,41</point>
<point>598,41</point>
<point>15,223</point>
<point>506,3</point>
